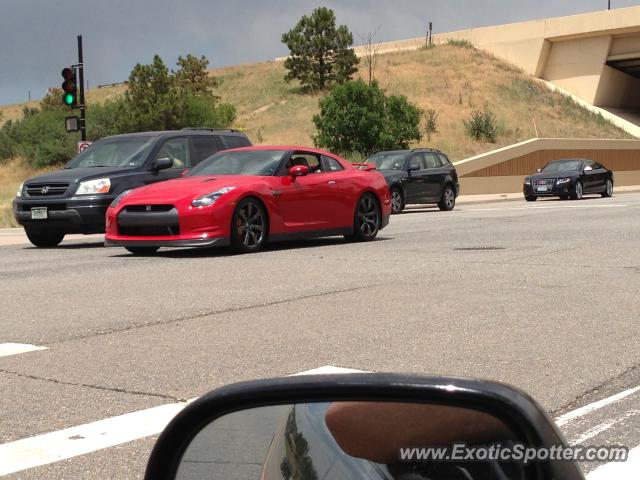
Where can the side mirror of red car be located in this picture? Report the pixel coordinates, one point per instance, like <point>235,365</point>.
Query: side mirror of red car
<point>298,171</point>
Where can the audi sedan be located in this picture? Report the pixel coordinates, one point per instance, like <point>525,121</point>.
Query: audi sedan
<point>569,178</point>
<point>246,196</point>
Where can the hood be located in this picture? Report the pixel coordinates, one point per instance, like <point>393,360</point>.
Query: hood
<point>71,175</point>
<point>187,188</point>
<point>554,175</point>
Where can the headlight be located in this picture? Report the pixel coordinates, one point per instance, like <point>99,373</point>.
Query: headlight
<point>118,199</point>
<point>527,181</point>
<point>210,198</point>
<point>563,180</point>
<point>19,192</point>
<point>94,187</point>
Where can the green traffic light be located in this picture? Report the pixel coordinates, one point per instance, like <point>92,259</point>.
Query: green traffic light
<point>68,99</point>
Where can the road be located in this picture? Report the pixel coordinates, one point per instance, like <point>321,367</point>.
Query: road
<point>543,296</point>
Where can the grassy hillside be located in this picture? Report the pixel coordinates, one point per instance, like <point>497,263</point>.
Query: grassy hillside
<point>453,80</point>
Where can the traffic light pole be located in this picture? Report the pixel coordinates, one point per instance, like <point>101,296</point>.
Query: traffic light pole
<point>83,131</point>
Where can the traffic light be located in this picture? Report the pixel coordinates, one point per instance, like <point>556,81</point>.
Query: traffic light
<point>69,87</point>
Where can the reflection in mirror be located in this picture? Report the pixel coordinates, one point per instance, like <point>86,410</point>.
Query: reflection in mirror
<point>346,440</point>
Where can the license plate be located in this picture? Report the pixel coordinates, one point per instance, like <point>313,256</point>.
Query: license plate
<point>542,188</point>
<point>39,213</point>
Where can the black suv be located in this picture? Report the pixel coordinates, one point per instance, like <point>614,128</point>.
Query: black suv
<point>75,199</point>
<point>420,176</point>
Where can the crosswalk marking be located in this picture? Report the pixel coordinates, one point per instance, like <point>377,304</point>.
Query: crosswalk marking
<point>7,349</point>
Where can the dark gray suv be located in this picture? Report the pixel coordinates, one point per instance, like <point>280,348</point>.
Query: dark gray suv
<point>75,199</point>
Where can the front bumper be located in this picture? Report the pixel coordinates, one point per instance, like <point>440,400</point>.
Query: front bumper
<point>563,189</point>
<point>70,215</point>
<point>175,243</point>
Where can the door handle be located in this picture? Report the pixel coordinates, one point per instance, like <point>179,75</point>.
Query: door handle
<point>331,182</point>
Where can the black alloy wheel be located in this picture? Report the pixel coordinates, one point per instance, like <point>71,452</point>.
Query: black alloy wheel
<point>397,202</point>
<point>366,222</point>
<point>249,226</point>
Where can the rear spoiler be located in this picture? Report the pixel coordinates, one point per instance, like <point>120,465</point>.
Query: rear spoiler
<point>364,166</point>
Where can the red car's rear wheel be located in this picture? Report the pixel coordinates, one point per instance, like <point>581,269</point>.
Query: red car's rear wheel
<point>249,226</point>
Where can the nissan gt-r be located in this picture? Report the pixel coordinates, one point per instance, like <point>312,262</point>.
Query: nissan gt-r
<point>248,196</point>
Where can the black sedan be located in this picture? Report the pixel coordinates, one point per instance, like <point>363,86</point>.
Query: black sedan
<point>569,178</point>
<point>420,176</point>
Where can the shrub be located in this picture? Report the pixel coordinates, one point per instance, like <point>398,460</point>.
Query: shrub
<point>6,146</point>
<point>356,118</point>
<point>457,42</point>
<point>482,126</point>
<point>430,123</point>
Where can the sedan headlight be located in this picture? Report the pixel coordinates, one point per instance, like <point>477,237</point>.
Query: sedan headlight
<point>94,187</point>
<point>19,192</point>
<point>210,198</point>
<point>563,180</point>
<point>527,181</point>
<point>118,199</point>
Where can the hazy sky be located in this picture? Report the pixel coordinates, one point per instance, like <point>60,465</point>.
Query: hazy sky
<point>38,37</point>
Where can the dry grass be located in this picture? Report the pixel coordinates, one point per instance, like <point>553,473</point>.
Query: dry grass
<point>12,174</point>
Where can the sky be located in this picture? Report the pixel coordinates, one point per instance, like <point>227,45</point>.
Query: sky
<point>38,37</point>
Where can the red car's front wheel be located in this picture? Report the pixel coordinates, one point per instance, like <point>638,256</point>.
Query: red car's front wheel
<point>248,226</point>
<point>366,221</point>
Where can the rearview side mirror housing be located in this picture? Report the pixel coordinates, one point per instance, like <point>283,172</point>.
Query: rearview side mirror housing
<point>298,171</point>
<point>226,417</point>
<point>162,164</point>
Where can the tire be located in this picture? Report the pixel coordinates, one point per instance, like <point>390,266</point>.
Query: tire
<point>608,189</point>
<point>531,198</point>
<point>578,191</point>
<point>142,251</point>
<point>44,239</point>
<point>249,226</point>
<point>366,219</point>
<point>448,200</point>
<point>397,201</point>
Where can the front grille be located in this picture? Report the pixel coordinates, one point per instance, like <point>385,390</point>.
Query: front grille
<point>50,206</point>
<point>46,189</point>
<point>149,231</point>
<point>148,208</point>
<point>544,181</point>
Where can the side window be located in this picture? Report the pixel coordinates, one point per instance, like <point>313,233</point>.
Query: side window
<point>417,160</point>
<point>175,149</point>
<point>331,164</point>
<point>431,160</point>
<point>203,146</point>
<point>307,159</point>
<point>235,141</point>
<point>443,159</point>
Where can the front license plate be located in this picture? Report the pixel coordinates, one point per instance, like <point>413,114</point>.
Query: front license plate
<point>542,188</point>
<point>39,213</point>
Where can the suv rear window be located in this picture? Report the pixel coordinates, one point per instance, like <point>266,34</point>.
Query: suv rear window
<point>235,141</point>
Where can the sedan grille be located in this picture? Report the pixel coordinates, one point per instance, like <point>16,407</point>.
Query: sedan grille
<point>544,181</point>
<point>148,221</point>
<point>149,231</point>
<point>46,189</point>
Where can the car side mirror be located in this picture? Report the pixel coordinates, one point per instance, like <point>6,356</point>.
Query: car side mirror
<point>162,164</point>
<point>414,168</point>
<point>277,428</point>
<point>298,171</point>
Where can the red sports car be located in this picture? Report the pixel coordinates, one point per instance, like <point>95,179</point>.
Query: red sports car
<point>246,196</point>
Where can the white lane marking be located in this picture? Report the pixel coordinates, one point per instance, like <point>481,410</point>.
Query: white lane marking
<point>7,349</point>
<point>629,470</point>
<point>64,444</point>
<point>71,442</point>
<point>328,370</point>
<point>541,207</point>
<point>582,411</point>
<point>602,427</point>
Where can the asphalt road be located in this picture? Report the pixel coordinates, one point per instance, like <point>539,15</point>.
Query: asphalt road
<point>543,296</point>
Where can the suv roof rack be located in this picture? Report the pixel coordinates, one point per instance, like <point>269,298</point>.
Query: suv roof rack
<point>427,149</point>
<point>230,130</point>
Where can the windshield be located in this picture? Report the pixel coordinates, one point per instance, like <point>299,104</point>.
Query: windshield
<point>563,166</point>
<point>388,161</point>
<point>125,152</point>
<point>247,162</point>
